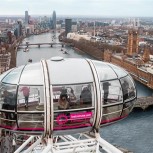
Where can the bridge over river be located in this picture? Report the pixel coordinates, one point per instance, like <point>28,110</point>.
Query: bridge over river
<point>27,44</point>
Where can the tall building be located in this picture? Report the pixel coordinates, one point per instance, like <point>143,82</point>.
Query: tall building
<point>9,34</point>
<point>26,18</point>
<point>68,26</point>
<point>18,29</point>
<point>146,54</point>
<point>133,42</point>
<point>74,27</point>
<point>54,20</point>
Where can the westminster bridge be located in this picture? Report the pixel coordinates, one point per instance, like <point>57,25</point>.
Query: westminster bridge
<point>27,44</point>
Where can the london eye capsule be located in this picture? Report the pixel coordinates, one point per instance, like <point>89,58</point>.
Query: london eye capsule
<point>61,96</point>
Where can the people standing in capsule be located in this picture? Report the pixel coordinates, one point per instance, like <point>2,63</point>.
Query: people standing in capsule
<point>106,91</point>
<point>26,92</point>
<point>9,104</point>
<point>125,87</point>
<point>63,102</point>
<point>86,96</point>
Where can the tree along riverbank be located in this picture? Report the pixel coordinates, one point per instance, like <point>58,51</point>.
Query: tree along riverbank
<point>13,50</point>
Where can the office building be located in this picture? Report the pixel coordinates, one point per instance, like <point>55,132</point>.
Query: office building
<point>68,26</point>
<point>54,20</point>
<point>26,18</point>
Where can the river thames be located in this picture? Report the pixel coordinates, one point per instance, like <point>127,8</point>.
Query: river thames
<point>134,133</point>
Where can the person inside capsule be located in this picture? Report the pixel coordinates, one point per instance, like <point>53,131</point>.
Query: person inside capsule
<point>86,96</point>
<point>9,104</point>
<point>63,102</point>
<point>106,91</point>
<point>125,86</point>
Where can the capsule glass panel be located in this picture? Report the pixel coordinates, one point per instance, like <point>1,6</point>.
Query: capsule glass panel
<point>118,70</point>
<point>112,92</point>
<point>73,106</point>
<point>24,91</point>
<point>31,122</point>
<point>8,105</point>
<point>105,72</point>
<point>32,75</point>
<point>30,98</point>
<point>128,88</point>
<point>127,107</point>
<point>30,107</point>
<point>14,76</point>
<point>111,113</point>
<point>5,73</point>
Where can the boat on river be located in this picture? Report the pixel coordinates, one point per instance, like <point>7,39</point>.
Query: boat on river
<point>65,52</point>
<point>26,49</point>
<point>30,60</point>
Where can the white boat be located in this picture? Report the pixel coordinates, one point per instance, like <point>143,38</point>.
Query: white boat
<point>65,52</point>
<point>26,50</point>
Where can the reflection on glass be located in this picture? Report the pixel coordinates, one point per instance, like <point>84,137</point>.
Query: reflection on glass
<point>127,107</point>
<point>119,71</point>
<point>112,92</point>
<point>32,75</point>
<point>8,104</point>
<point>73,96</point>
<point>13,76</point>
<point>128,88</point>
<point>111,114</point>
<point>69,98</point>
<point>30,121</point>
<point>30,98</point>
<point>105,71</point>
<point>26,92</point>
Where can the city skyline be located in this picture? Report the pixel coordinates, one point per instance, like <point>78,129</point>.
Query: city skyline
<point>112,8</point>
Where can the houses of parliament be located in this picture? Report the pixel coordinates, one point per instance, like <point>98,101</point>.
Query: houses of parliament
<point>137,63</point>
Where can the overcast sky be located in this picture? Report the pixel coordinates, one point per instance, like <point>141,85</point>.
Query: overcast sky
<point>78,7</point>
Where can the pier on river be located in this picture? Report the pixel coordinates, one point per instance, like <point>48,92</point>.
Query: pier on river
<point>144,102</point>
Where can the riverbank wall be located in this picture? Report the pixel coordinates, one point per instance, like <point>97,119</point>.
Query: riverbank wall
<point>78,50</point>
<point>85,47</point>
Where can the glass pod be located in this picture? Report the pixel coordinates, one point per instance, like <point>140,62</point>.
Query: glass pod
<point>62,96</point>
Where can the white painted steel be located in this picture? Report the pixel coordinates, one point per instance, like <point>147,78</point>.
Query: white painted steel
<point>47,149</point>
<point>98,96</point>
<point>24,144</point>
<point>33,146</point>
<point>88,144</point>
<point>109,148</point>
<point>47,99</point>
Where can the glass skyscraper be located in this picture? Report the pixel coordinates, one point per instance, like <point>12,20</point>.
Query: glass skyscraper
<point>54,20</point>
<point>26,17</point>
<point>68,26</point>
